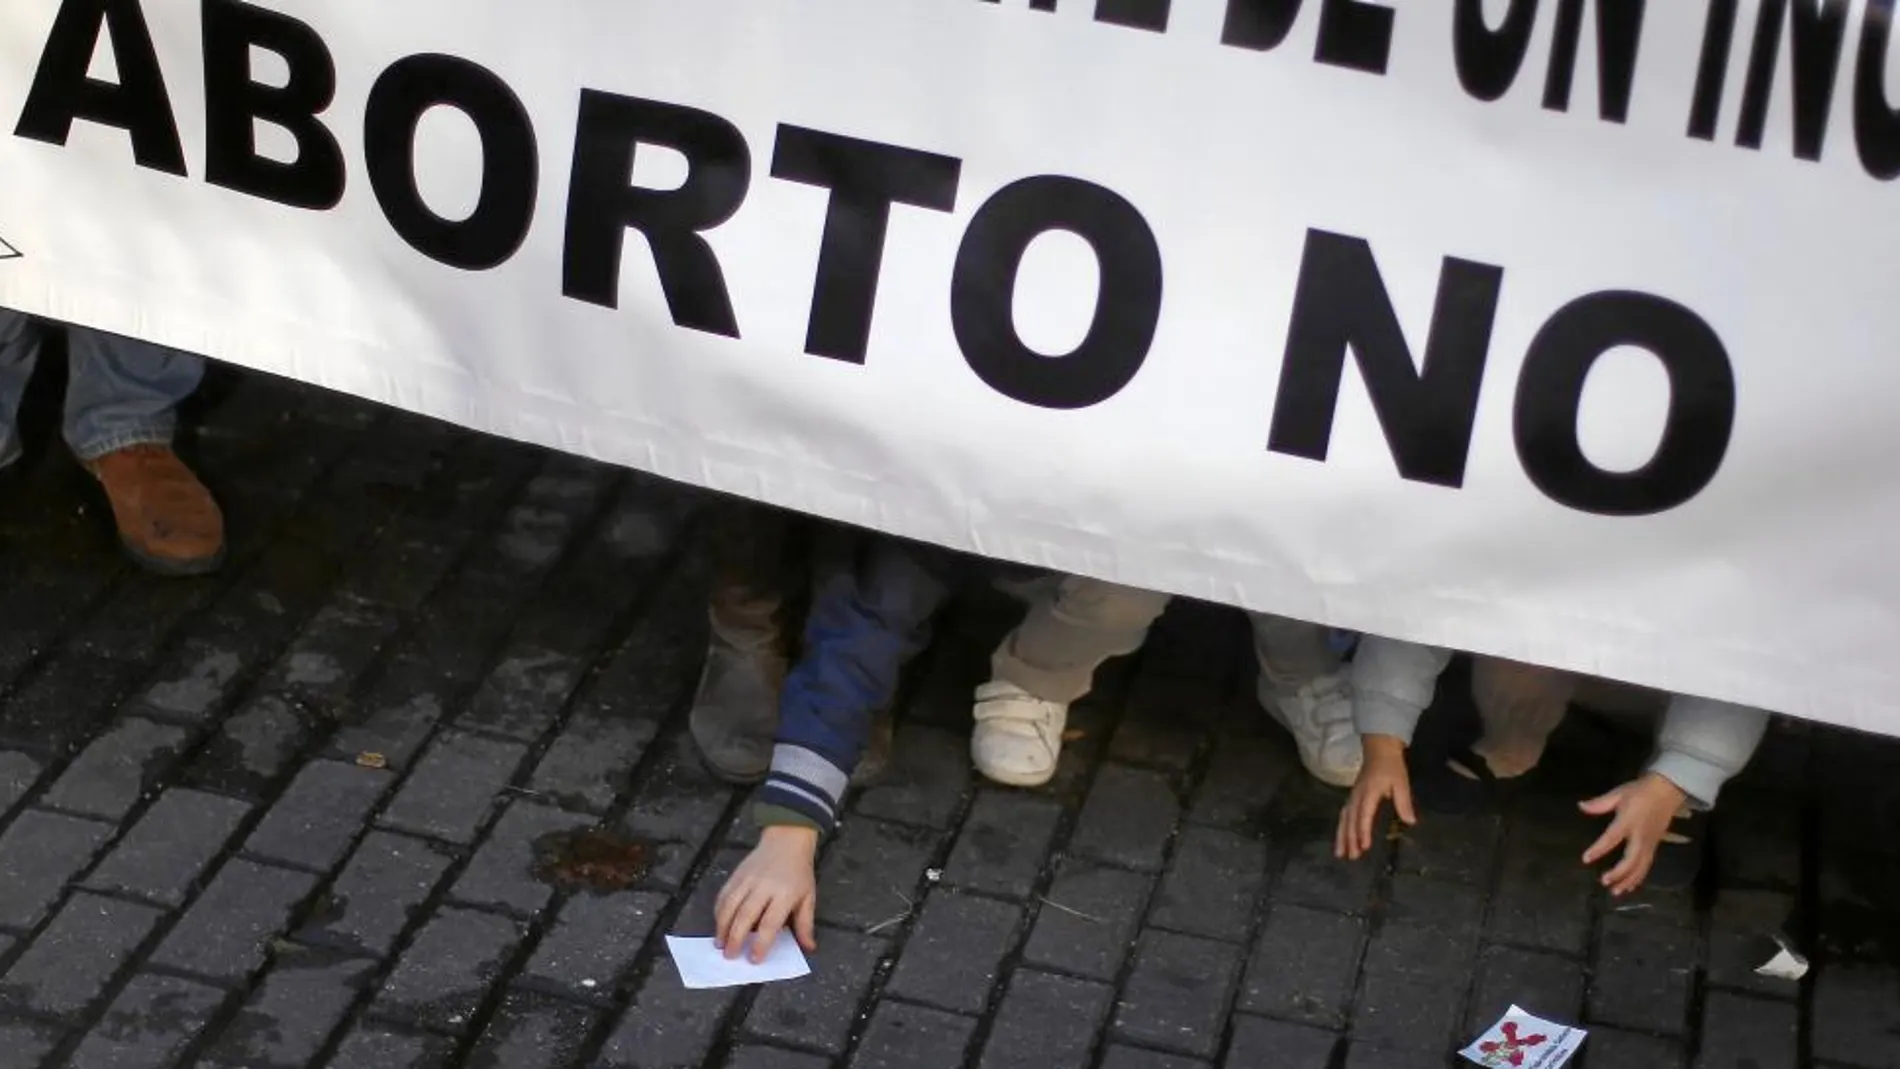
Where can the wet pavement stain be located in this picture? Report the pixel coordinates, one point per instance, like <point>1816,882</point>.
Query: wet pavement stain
<point>591,859</point>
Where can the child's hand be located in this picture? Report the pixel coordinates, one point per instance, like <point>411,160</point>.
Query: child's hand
<point>1382,776</point>
<point>1644,809</point>
<point>776,883</point>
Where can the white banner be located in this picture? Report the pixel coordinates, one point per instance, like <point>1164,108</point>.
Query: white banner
<point>1553,330</point>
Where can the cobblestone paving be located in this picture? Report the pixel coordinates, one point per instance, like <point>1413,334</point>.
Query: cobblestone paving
<point>198,869</point>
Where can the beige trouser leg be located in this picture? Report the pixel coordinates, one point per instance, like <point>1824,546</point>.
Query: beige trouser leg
<point>1291,653</point>
<point>1622,699</point>
<point>1070,631</point>
<point>1520,705</point>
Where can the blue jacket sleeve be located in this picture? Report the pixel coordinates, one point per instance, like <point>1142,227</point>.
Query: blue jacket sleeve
<point>870,614</point>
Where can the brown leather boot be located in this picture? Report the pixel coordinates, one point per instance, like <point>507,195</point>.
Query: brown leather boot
<point>167,520</point>
<point>735,711</point>
<point>758,565</point>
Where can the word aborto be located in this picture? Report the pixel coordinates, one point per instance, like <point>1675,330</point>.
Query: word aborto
<point>1426,407</point>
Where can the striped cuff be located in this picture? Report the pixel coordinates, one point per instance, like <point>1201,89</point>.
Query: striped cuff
<point>1376,714</point>
<point>1699,778</point>
<point>805,782</point>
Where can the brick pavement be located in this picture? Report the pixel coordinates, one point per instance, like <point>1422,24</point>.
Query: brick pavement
<point>197,868</point>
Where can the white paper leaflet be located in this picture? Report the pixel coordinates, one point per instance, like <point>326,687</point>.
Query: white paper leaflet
<point>703,965</point>
<point>1521,1041</point>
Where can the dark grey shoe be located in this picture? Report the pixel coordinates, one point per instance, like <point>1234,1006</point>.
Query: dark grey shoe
<point>735,711</point>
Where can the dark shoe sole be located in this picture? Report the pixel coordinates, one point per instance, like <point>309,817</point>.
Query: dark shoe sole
<point>727,776</point>
<point>176,569</point>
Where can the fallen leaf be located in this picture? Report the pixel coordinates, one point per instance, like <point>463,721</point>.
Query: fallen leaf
<point>372,760</point>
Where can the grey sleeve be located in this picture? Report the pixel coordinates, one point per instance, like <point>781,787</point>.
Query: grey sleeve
<point>1392,683</point>
<point>1703,743</point>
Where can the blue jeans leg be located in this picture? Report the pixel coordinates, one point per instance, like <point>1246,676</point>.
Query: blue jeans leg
<point>124,392</point>
<point>19,351</point>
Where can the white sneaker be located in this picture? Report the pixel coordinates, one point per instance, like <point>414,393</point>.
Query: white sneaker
<point>1018,735</point>
<point>1319,715</point>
